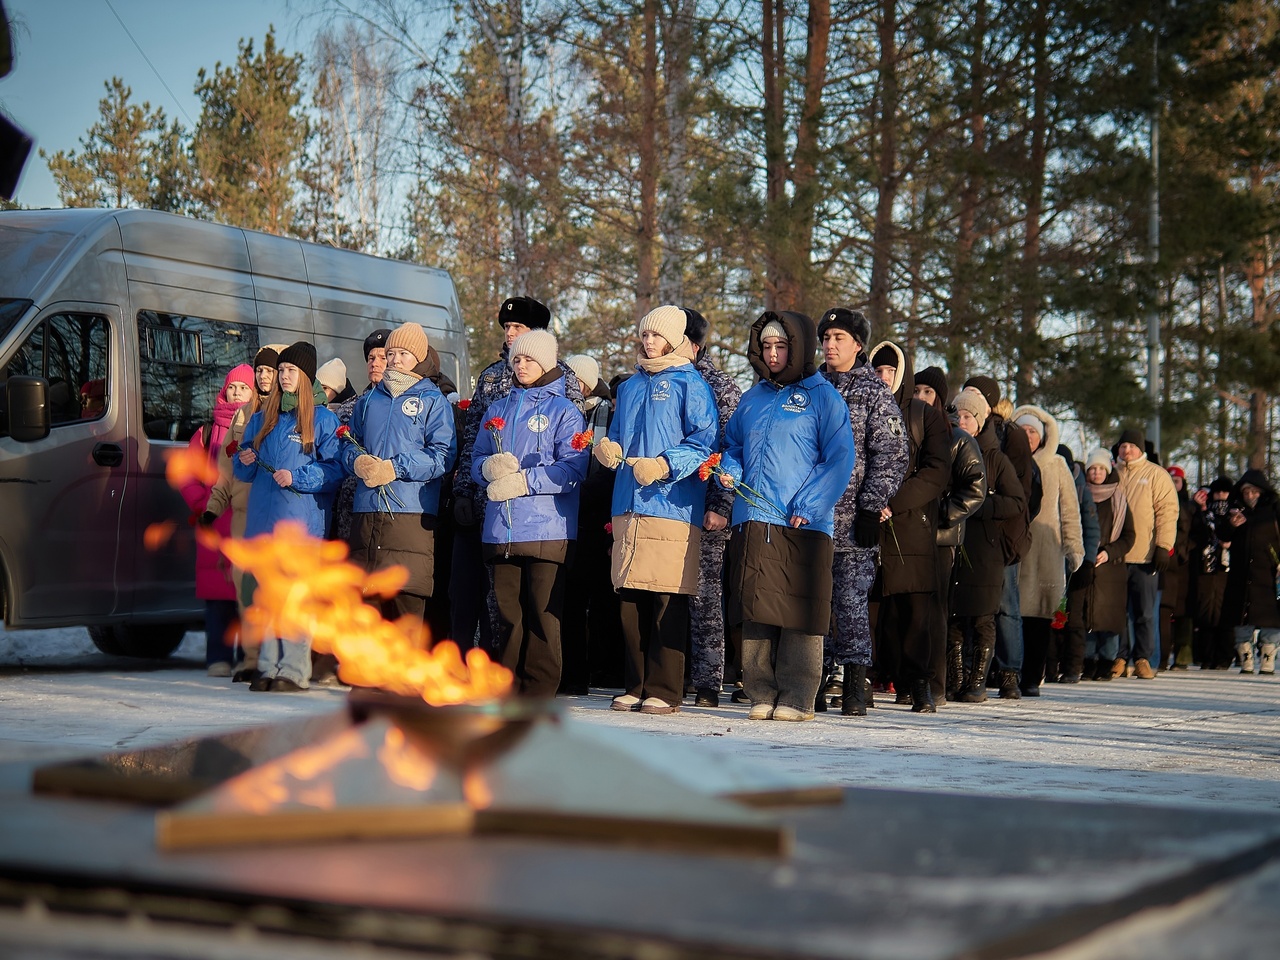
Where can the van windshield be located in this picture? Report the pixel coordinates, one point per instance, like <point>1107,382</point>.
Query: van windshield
<point>12,310</point>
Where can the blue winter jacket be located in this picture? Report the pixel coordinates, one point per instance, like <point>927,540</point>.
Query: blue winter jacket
<point>793,444</point>
<point>315,478</point>
<point>540,422</point>
<point>415,432</point>
<point>670,414</point>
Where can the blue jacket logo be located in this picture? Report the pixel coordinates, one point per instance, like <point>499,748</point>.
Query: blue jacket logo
<point>798,402</point>
<point>537,423</point>
<point>411,407</point>
<point>662,390</point>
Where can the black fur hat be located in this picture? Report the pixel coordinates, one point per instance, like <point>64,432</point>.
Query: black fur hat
<point>696,327</point>
<point>375,340</point>
<point>852,322</point>
<point>532,313</point>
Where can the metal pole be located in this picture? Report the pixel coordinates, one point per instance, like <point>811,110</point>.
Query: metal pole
<point>1153,243</point>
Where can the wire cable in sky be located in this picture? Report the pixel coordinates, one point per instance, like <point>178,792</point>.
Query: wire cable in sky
<point>176,101</point>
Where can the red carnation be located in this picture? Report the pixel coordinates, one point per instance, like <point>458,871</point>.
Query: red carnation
<point>709,466</point>
<point>608,528</point>
<point>495,424</point>
<point>232,447</point>
<point>464,404</point>
<point>583,440</point>
<point>343,432</point>
<point>1059,621</point>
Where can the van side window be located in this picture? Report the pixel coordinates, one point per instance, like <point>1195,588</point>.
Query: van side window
<point>71,352</point>
<point>184,361</point>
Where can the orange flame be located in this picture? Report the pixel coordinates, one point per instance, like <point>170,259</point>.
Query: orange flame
<point>157,534</point>
<point>306,588</point>
<point>186,465</point>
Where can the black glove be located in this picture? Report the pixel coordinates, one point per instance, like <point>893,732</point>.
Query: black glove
<point>207,519</point>
<point>1163,560</point>
<point>866,529</point>
<point>464,511</point>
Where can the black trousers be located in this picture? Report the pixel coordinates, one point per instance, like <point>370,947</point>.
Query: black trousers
<point>655,628</point>
<point>1035,649</point>
<point>469,591</point>
<point>530,595</point>
<point>941,610</point>
<point>907,625</point>
<point>590,631</point>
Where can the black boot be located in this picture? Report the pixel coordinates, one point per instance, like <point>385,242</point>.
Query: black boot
<point>853,691</point>
<point>975,685</point>
<point>1009,686</point>
<point>820,701</point>
<point>922,697</point>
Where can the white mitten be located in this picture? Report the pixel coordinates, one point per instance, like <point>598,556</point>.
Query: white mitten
<point>499,465</point>
<point>508,488</point>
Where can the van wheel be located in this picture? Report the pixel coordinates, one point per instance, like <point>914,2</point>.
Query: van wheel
<point>149,640</point>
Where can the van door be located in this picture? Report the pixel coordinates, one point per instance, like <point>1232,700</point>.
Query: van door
<point>60,526</point>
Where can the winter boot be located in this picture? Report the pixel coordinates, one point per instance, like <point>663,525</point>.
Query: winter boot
<point>853,691</point>
<point>955,667</point>
<point>1268,665</point>
<point>974,689</point>
<point>1245,652</point>
<point>1009,686</point>
<point>820,701</point>
<point>922,697</point>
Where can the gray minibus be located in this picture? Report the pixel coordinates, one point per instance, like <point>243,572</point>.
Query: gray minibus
<point>117,328</point>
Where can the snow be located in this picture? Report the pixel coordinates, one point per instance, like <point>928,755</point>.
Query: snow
<point>1185,739</point>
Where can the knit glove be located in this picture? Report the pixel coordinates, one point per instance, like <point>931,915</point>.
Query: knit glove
<point>649,469</point>
<point>609,453</point>
<point>208,519</point>
<point>374,471</point>
<point>1163,559</point>
<point>499,465</point>
<point>464,511</point>
<point>509,487</point>
<point>866,529</point>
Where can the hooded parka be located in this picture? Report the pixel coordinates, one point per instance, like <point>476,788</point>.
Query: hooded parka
<point>790,441</point>
<point>1105,587</point>
<point>979,567</point>
<point>1056,539</point>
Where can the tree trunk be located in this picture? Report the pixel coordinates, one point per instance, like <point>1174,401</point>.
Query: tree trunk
<point>797,284</point>
<point>646,233</point>
<point>677,53</point>
<point>1256,270</point>
<point>1027,356</point>
<point>887,146</point>
<point>966,229</point>
<point>777,237</point>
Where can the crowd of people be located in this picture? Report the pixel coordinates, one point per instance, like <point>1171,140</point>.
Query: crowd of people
<point>845,527</point>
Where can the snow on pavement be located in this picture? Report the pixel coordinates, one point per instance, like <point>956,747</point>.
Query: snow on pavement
<point>1185,739</point>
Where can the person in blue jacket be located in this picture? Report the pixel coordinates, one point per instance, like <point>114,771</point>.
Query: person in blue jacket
<point>665,427</point>
<point>791,444</point>
<point>403,445</point>
<point>531,470</point>
<point>290,456</point>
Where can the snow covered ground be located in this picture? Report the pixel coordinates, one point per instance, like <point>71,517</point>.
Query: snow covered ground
<point>1186,738</point>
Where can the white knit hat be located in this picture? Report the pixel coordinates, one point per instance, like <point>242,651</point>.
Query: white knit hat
<point>666,321</point>
<point>1100,457</point>
<point>1032,421</point>
<point>333,375</point>
<point>586,368</point>
<point>773,329</point>
<point>970,399</point>
<point>538,345</point>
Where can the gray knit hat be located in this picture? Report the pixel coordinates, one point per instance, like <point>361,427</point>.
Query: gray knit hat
<point>971,400</point>
<point>539,346</point>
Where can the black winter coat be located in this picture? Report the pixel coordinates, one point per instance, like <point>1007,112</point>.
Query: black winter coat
<point>966,491</point>
<point>1012,442</point>
<point>1255,551</point>
<point>1174,581</point>
<point>978,577</point>
<point>908,542</point>
<point>1099,597</point>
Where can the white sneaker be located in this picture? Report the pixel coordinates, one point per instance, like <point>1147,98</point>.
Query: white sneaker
<point>219,669</point>
<point>654,705</point>
<point>783,712</point>
<point>761,711</point>
<point>1268,664</point>
<point>626,702</point>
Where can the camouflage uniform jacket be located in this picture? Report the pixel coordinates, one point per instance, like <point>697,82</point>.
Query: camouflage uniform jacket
<point>880,438</point>
<point>727,396</point>
<point>495,383</point>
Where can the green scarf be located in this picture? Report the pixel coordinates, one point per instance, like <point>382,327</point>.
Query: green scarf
<point>288,402</point>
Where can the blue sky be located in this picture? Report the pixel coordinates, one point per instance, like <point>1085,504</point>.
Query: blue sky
<point>67,49</point>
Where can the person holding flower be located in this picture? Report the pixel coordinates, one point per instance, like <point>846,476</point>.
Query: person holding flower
<point>289,454</point>
<point>664,428</point>
<point>788,454</point>
<point>1099,600</point>
<point>530,458</point>
<point>399,443</point>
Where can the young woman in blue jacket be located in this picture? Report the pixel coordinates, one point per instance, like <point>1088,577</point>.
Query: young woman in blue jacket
<point>290,456</point>
<point>790,443</point>
<point>665,427</point>
<point>526,459</point>
<point>403,446</point>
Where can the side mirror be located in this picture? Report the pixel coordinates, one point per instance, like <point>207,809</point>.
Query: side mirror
<point>28,408</point>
